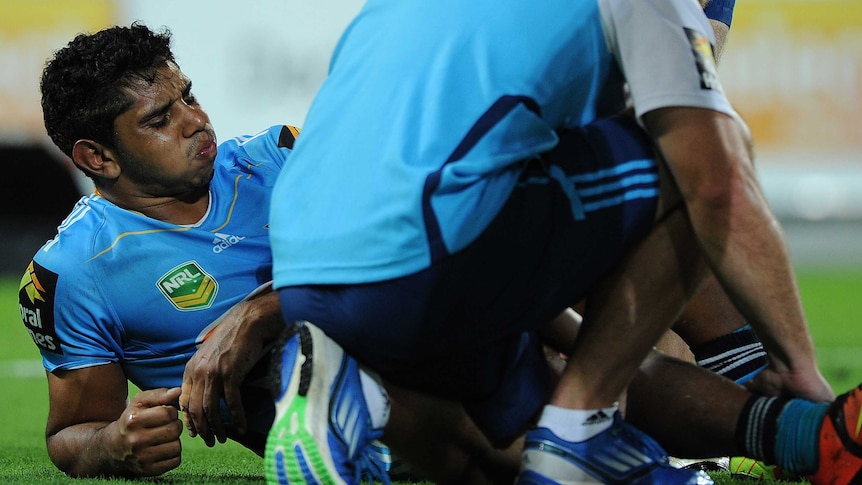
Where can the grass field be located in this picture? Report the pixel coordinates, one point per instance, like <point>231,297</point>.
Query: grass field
<point>831,300</point>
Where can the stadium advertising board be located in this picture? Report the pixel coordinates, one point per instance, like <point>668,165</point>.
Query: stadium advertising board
<point>29,32</point>
<point>793,69</point>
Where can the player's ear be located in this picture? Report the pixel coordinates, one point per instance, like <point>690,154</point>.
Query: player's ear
<point>95,158</point>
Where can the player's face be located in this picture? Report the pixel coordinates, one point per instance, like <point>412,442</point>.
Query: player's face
<point>165,142</point>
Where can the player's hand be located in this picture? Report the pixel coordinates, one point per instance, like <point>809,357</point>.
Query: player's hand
<point>216,370</point>
<point>808,384</point>
<point>223,361</point>
<point>148,433</point>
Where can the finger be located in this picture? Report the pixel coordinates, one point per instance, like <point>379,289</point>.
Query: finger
<point>138,418</point>
<point>212,410</point>
<point>233,399</point>
<point>159,434</point>
<point>157,397</point>
<point>161,467</point>
<point>766,383</point>
<point>160,458</point>
<point>197,413</point>
<point>185,402</point>
<point>151,408</point>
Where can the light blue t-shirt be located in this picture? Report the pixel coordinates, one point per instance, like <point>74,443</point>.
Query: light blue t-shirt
<point>117,286</point>
<point>417,136</point>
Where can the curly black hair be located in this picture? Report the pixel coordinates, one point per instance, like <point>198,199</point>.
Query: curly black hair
<point>84,85</point>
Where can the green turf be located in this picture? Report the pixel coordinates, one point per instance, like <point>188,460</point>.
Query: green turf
<point>830,301</point>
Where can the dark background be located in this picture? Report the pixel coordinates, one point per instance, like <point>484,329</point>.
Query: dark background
<point>38,190</point>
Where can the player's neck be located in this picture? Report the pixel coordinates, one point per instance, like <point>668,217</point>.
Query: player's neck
<point>187,210</point>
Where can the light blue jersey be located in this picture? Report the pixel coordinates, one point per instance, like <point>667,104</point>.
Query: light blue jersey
<point>117,286</point>
<point>417,137</point>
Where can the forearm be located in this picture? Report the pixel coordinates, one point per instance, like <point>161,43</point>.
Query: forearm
<point>710,156</point>
<point>260,321</point>
<point>744,246</point>
<point>89,450</point>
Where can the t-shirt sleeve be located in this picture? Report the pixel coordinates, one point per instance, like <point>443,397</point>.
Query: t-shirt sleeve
<point>664,50</point>
<point>67,319</point>
<point>273,145</point>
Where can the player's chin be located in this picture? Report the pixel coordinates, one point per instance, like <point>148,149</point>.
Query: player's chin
<point>205,174</point>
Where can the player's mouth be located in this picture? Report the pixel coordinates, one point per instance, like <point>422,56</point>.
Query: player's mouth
<point>207,149</point>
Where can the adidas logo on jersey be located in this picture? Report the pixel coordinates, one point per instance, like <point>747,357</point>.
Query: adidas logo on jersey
<point>224,241</point>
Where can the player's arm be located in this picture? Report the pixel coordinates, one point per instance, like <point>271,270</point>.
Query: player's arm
<point>710,157</point>
<point>219,366</point>
<point>721,31</point>
<point>92,431</point>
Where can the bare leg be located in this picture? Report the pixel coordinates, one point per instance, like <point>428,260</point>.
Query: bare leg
<point>710,314</point>
<point>673,345</point>
<point>691,411</point>
<point>628,313</point>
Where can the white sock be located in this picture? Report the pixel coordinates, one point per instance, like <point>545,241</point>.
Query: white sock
<point>576,425</point>
<point>376,398</point>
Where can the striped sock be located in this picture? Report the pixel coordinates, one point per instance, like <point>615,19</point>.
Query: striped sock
<point>781,432</point>
<point>758,426</point>
<point>738,356</point>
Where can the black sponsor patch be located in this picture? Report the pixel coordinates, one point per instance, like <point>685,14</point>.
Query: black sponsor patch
<point>36,303</point>
<point>704,59</point>
<point>287,137</point>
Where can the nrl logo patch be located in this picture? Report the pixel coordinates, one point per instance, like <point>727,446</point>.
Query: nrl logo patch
<point>188,287</point>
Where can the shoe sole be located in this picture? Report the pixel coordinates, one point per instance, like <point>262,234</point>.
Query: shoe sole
<point>292,454</point>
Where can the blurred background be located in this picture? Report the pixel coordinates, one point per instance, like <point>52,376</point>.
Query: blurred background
<point>793,68</point>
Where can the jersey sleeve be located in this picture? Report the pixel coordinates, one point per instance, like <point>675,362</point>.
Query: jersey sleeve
<point>67,319</point>
<point>269,147</point>
<point>664,50</point>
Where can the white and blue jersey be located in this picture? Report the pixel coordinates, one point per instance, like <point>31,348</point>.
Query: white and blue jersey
<point>416,138</point>
<point>117,286</point>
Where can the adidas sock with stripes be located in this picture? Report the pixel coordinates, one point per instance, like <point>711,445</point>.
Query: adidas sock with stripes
<point>575,425</point>
<point>738,356</point>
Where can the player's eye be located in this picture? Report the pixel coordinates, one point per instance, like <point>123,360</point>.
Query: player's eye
<point>190,99</point>
<point>160,122</point>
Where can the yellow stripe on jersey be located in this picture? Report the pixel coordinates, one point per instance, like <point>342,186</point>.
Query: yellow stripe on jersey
<point>136,233</point>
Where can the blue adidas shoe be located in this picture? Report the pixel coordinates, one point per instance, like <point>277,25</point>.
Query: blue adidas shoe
<point>620,454</point>
<point>322,430</point>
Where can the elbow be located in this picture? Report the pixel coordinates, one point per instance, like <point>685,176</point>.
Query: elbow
<point>76,461</point>
<point>712,196</point>
<point>718,198</point>
<point>63,461</point>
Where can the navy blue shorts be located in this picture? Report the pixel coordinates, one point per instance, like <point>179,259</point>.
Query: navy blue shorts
<point>464,328</point>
